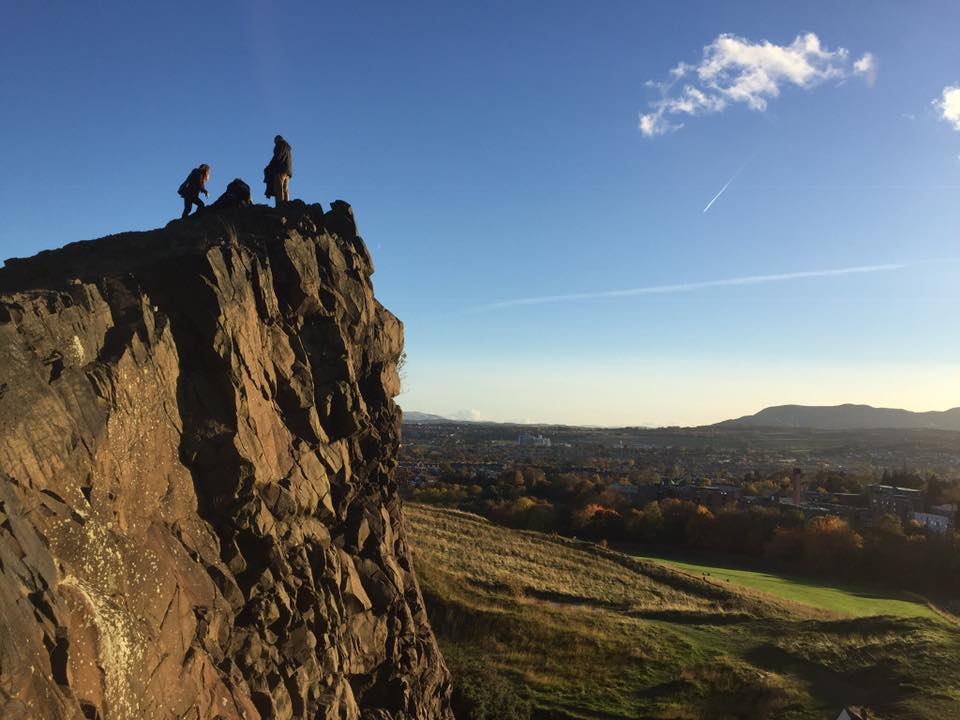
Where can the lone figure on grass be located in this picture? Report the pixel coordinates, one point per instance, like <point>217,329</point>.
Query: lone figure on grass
<point>278,173</point>
<point>191,188</point>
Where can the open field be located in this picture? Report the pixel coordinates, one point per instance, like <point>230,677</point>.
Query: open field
<point>587,632</point>
<point>850,601</point>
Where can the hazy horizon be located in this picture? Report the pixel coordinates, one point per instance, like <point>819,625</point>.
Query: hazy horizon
<point>583,214</point>
<point>626,417</point>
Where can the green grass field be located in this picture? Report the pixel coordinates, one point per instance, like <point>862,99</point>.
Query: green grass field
<point>587,632</point>
<point>849,601</point>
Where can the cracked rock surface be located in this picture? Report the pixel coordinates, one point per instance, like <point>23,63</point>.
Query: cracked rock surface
<point>197,513</point>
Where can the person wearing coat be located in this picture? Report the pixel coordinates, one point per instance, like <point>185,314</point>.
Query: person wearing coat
<point>278,173</point>
<point>191,188</point>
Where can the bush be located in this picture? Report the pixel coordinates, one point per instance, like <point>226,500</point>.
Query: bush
<point>481,693</point>
<point>597,521</point>
<point>825,545</point>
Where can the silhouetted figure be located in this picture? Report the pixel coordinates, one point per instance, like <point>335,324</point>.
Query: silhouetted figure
<point>191,188</point>
<point>278,173</point>
<point>236,195</point>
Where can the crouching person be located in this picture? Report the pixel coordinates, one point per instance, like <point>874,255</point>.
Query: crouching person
<point>191,188</point>
<point>236,195</point>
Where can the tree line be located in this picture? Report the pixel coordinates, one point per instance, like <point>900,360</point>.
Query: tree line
<point>887,552</point>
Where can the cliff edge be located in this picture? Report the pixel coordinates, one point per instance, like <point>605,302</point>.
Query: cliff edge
<point>197,512</point>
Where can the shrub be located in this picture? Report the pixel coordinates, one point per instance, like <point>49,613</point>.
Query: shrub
<point>481,693</point>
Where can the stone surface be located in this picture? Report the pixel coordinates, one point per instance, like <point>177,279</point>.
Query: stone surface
<point>197,512</point>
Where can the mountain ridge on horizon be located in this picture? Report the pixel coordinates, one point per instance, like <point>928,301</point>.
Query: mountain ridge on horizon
<point>416,417</point>
<point>848,416</point>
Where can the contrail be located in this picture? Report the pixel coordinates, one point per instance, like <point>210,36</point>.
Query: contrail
<point>732,178</point>
<point>722,190</point>
<point>688,287</point>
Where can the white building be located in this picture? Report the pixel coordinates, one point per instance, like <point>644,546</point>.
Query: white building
<point>937,523</point>
<point>535,440</point>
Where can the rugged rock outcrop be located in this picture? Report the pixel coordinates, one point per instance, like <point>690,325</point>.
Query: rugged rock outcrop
<point>197,515</point>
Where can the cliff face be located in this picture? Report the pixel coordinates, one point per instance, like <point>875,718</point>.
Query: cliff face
<point>197,516</point>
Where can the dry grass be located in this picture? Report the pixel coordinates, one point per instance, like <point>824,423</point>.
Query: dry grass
<point>550,568</point>
<point>588,632</point>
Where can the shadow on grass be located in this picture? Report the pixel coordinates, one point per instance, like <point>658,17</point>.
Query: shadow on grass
<point>562,598</point>
<point>690,617</point>
<point>873,686</point>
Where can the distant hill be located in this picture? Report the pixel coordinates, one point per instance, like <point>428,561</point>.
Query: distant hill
<point>421,418</point>
<point>847,417</point>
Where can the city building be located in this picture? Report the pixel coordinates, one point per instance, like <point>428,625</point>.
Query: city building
<point>534,440</point>
<point>892,500</point>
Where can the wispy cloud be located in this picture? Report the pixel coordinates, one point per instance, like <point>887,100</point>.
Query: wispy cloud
<point>737,70</point>
<point>692,286</point>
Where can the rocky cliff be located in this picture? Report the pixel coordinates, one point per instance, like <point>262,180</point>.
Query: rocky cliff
<point>197,514</point>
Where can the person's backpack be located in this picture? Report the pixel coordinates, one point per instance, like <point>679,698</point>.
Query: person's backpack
<point>189,182</point>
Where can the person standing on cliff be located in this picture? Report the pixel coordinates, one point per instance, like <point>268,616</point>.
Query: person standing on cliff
<point>278,173</point>
<point>191,188</point>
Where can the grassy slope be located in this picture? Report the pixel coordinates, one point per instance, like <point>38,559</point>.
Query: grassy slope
<point>588,632</point>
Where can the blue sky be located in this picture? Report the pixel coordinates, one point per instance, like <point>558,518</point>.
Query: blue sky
<point>493,152</point>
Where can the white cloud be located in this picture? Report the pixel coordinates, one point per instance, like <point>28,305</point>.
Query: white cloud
<point>471,415</point>
<point>653,124</point>
<point>948,105</point>
<point>736,70</point>
<point>867,66</point>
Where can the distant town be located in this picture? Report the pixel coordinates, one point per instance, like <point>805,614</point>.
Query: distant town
<point>852,474</point>
<point>881,504</point>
